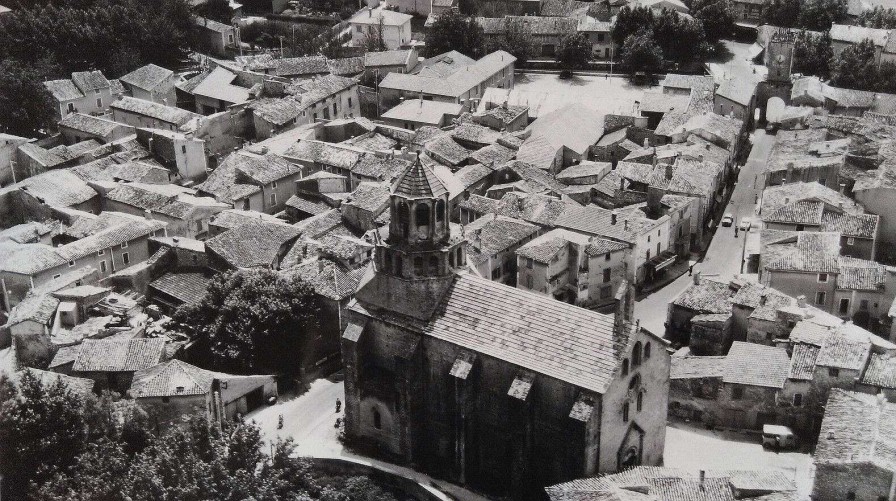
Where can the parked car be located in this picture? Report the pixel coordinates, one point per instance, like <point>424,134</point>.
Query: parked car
<point>778,437</point>
<point>746,223</point>
<point>727,220</point>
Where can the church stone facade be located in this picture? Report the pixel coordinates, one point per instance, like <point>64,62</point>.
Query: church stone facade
<point>486,385</point>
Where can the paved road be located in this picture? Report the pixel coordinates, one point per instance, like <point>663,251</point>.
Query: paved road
<point>725,253</point>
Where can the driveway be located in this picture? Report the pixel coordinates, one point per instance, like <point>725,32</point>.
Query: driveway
<point>695,449</point>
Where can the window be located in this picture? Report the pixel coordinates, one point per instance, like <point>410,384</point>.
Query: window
<point>529,282</point>
<point>99,102</point>
<point>246,204</point>
<point>800,227</point>
<point>349,102</point>
<point>274,184</point>
<point>399,265</point>
<point>71,107</point>
<point>126,259</point>
<point>377,420</point>
<point>737,393</point>
<point>607,257</point>
<point>71,264</point>
<point>822,277</point>
<point>625,367</point>
<point>820,297</point>
<point>647,351</point>
<point>496,273</point>
<point>823,181</point>
<point>56,276</point>
<point>640,401</point>
<point>605,292</point>
<point>421,215</point>
<point>183,149</point>
<point>851,241</point>
<point>648,255</point>
<point>124,245</point>
<point>625,412</point>
<point>850,495</point>
<point>606,275</point>
<point>529,263</point>
<point>100,252</point>
<point>863,304</point>
<point>600,37</point>
<point>229,38</point>
<point>648,238</point>
<point>844,306</point>
<point>440,211</point>
<point>636,354</point>
<point>334,109</point>
<point>273,199</point>
<point>433,265</point>
<point>797,399</point>
<point>102,266</point>
<point>418,265</point>
<point>833,372</point>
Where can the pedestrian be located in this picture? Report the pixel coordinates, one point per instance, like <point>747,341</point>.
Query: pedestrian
<point>280,422</point>
<point>338,405</point>
<point>690,270</point>
<point>735,232</point>
<point>338,420</point>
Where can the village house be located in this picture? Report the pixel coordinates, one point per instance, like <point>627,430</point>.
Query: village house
<point>185,214</point>
<point>140,113</point>
<point>77,127</point>
<point>412,114</point>
<point>112,363</point>
<point>810,91</point>
<point>483,378</point>
<point>151,83</point>
<point>87,92</point>
<point>380,26</point>
<point>175,388</point>
<point>845,35</point>
<point>377,64</point>
<point>255,244</point>
<point>503,117</point>
<point>462,84</point>
<point>492,243</point>
<point>219,37</point>
<point>250,181</point>
<point>854,459</point>
<point>562,138</point>
<point>804,155</point>
<point>217,90</point>
<point>327,97</point>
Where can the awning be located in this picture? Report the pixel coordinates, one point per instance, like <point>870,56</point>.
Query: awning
<point>755,51</point>
<point>663,260</point>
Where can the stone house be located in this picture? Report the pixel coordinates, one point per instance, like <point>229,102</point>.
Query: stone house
<point>392,28</point>
<point>87,92</point>
<point>185,214</point>
<point>492,244</point>
<point>77,127</point>
<point>804,156</point>
<point>219,37</point>
<point>151,83</point>
<point>175,388</point>
<point>139,113</point>
<point>426,386</point>
<point>113,363</point>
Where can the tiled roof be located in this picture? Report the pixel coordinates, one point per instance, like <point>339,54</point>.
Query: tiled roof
<point>370,16</point>
<point>298,66</point>
<point>855,34</point>
<point>468,132</point>
<point>739,90</point>
<point>372,141</point>
<point>802,361</point>
<point>756,365</point>
<point>708,296</point>
<point>103,355</point>
<point>498,234</point>
<point>321,152</point>
<point>881,371</point>
<point>471,174</point>
<point>851,225</point>
<point>38,308</point>
<point>212,25</point>
<point>380,168</point>
<point>147,77</point>
<point>680,489</point>
<point>697,367</point>
<point>594,220</point>
<point>328,279</point>
<point>812,252</point>
<point>57,188</point>
<point>456,82</point>
<point>419,181</point>
<point>544,248</point>
<point>172,379</point>
<point>536,25</point>
<point>680,81</point>
<point>371,197</point>
<point>388,58</point>
<point>600,246</point>
<point>806,212</point>
<point>89,81</point>
<point>446,150</point>
<point>346,66</point>
<point>861,274</point>
<point>267,169</point>
<point>220,84</point>
<point>63,90</point>
<point>222,182</point>
<point>89,124</point>
<point>277,111</point>
<point>231,218</point>
<point>169,114</point>
<point>423,111</point>
<point>83,386</point>
<point>186,287</point>
<point>843,353</point>
<point>857,428</point>
<point>777,197</point>
<point>538,333</point>
<point>307,205</point>
<point>255,244</point>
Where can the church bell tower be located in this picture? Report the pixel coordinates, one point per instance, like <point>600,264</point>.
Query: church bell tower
<point>420,244</point>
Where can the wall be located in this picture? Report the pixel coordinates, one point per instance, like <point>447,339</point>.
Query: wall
<point>795,284</point>
<point>224,132</point>
<point>137,120</point>
<point>71,136</point>
<point>171,412</point>
<point>881,201</point>
<point>600,292</point>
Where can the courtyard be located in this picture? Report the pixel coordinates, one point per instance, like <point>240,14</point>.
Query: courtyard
<point>602,93</point>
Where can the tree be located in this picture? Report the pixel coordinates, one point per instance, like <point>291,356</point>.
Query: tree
<point>812,54</point>
<point>516,39</point>
<point>452,31</point>
<point>216,10</point>
<point>783,13</point>
<point>819,15</point>
<point>574,51</point>
<point>886,78</point>
<point>640,52</point>
<point>630,21</point>
<point>879,17</point>
<point>855,68</point>
<point>717,17</point>
<point>254,321</point>
<point>681,39</point>
<point>374,39</point>
<point>26,106</point>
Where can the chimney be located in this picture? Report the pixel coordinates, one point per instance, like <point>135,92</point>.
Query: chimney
<point>700,157</point>
<point>801,301</point>
<point>625,222</point>
<point>696,278</point>
<point>175,239</point>
<point>147,214</point>
<point>369,11</point>
<point>646,142</point>
<point>762,299</point>
<point>613,216</point>
<point>842,188</point>
<point>702,479</point>
<point>669,171</point>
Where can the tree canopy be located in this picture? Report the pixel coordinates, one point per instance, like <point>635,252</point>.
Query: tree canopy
<point>516,39</point>
<point>879,17</point>
<point>254,321</point>
<point>452,31</point>
<point>640,52</point>
<point>855,68</point>
<point>574,51</point>
<point>26,106</point>
<point>815,15</point>
<point>216,10</point>
<point>717,17</point>
<point>812,54</point>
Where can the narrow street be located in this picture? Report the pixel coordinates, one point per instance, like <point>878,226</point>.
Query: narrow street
<point>725,253</point>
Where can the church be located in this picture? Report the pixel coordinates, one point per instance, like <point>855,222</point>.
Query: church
<point>483,384</point>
